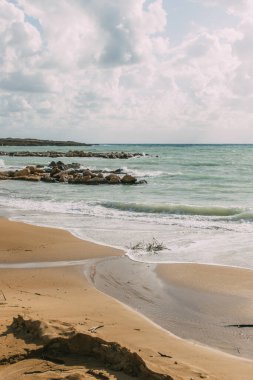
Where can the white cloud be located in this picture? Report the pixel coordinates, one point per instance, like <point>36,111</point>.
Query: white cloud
<point>105,71</point>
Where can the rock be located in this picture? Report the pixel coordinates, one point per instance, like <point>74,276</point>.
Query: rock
<point>31,168</point>
<point>70,173</point>
<point>118,171</point>
<point>76,153</point>
<point>141,182</point>
<point>112,179</point>
<point>96,181</point>
<point>35,170</point>
<point>87,172</point>
<point>64,177</point>
<point>38,171</point>
<point>78,179</point>
<point>33,178</point>
<point>128,179</point>
<point>46,178</point>
<point>23,172</point>
<point>11,174</point>
<point>60,165</point>
<point>86,178</point>
<point>74,165</point>
<point>54,171</point>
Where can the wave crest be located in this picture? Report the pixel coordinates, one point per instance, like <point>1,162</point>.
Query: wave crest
<point>174,209</point>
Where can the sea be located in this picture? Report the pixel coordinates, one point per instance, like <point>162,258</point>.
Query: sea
<point>197,203</point>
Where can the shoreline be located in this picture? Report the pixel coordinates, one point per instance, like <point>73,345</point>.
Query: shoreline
<point>167,294</point>
<point>46,294</point>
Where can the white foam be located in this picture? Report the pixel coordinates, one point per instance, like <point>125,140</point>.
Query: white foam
<point>149,173</point>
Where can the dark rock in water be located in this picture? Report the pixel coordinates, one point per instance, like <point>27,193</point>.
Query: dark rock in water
<point>69,173</point>
<point>118,171</point>
<point>141,182</point>
<point>112,179</point>
<point>96,181</point>
<point>54,171</point>
<point>23,172</point>
<point>33,178</point>
<point>128,179</point>
<point>47,178</point>
<point>76,153</point>
<point>60,165</point>
<point>74,165</point>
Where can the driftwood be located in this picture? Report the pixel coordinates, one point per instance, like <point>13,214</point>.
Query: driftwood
<point>240,326</point>
<point>164,355</point>
<point>93,329</point>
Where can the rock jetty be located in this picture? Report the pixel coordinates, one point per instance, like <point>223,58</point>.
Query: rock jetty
<point>74,153</point>
<point>37,142</point>
<point>57,172</point>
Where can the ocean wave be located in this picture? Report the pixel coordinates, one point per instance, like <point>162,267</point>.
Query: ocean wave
<point>246,216</point>
<point>152,213</point>
<point>174,209</point>
<point>2,163</point>
<point>149,173</point>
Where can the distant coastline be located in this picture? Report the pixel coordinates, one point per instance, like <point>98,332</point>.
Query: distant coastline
<point>37,142</point>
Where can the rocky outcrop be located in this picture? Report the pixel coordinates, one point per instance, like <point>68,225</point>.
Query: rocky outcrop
<point>38,142</point>
<point>75,153</point>
<point>70,173</point>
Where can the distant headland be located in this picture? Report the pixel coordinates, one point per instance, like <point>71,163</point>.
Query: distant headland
<point>37,142</point>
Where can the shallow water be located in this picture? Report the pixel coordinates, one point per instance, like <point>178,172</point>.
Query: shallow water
<point>198,202</point>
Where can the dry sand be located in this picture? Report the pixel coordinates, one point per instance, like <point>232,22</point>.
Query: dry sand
<point>52,339</point>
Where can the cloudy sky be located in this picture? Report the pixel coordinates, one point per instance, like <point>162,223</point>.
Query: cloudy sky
<point>164,71</point>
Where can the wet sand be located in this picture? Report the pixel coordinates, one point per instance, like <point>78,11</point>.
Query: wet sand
<point>59,308</point>
<point>194,302</point>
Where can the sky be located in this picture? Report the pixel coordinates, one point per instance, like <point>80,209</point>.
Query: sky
<point>127,71</point>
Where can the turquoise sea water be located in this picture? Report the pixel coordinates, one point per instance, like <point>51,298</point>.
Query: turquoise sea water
<point>198,201</point>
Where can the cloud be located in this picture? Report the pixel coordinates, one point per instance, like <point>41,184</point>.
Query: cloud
<point>107,71</point>
<point>18,81</point>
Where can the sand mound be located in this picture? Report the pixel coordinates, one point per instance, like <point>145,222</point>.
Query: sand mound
<point>55,343</point>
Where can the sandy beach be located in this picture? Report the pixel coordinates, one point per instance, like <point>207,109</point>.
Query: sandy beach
<point>68,329</point>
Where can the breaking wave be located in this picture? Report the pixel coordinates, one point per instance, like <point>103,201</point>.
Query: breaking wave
<point>175,209</point>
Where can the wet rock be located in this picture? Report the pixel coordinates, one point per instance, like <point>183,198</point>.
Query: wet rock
<point>96,181</point>
<point>59,172</point>
<point>55,171</point>
<point>46,178</point>
<point>33,178</point>
<point>87,172</point>
<point>23,172</point>
<point>112,179</point>
<point>128,179</point>
<point>75,153</point>
<point>64,177</point>
<point>86,178</point>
